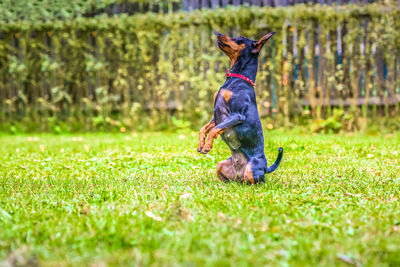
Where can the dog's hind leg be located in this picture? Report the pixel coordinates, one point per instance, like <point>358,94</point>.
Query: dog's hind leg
<point>226,171</point>
<point>254,174</point>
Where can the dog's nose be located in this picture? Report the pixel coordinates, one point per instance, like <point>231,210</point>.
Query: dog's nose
<point>218,34</point>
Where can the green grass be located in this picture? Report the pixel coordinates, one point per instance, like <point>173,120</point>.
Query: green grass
<point>151,199</point>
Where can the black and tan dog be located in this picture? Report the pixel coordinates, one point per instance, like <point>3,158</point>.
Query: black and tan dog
<point>236,116</point>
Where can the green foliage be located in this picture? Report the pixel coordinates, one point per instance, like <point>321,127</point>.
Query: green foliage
<point>180,125</point>
<point>138,72</point>
<point>50,10</point>
<point>333,124</point>
<point>152,200</point>
<point>42,10</point>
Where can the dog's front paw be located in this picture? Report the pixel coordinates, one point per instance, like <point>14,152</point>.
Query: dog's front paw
<point>206,149</point>
<point>200,145</point>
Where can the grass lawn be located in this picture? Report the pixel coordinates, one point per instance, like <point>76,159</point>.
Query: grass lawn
<point>151,199</point>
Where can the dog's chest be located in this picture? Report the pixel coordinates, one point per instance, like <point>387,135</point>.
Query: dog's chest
<point>221,112</point>
<point>221,106</point>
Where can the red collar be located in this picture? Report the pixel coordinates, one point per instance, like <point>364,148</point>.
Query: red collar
<point>241,77</point>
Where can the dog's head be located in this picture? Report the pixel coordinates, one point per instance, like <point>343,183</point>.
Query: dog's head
<point>241,47</point>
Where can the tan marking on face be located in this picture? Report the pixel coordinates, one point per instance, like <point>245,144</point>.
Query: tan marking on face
<point>226,94</point>
<point>232,49</point>
<point>248,174</point>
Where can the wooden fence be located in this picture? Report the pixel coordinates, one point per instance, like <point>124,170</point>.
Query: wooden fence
<point>189,5</point>
<point>196,4</point>
<point>153,68</point>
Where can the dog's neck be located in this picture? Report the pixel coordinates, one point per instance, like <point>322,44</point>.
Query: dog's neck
<point>247,67</point>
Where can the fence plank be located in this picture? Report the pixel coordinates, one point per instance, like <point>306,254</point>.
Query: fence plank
<point>236,2</point>
<point>225,3</point>
<point>269,3</point>
<point>125,6</point>
<point>194,4</point>
<point>204,4</point>
<point>214,4</point>
<point>185,5</point>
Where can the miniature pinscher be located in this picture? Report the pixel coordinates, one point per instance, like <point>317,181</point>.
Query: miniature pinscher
<point>236,116</point>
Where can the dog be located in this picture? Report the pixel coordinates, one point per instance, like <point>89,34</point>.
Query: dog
<point>236,116</point>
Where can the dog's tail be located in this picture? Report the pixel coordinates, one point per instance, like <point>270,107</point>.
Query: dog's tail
<point>278,160</point>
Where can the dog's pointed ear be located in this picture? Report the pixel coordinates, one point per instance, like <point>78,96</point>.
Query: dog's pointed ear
<point>257,45</point>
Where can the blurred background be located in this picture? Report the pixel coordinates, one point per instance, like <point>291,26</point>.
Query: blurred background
<point>114,65</point>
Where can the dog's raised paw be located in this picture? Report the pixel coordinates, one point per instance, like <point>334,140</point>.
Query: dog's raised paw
<point>205,151</point>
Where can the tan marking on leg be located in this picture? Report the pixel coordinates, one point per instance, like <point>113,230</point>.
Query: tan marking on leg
<point>248,174</point>
<point>226,94</point>
<point>210,139</point>
<point>225,170</point>
<point>203,133</point>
